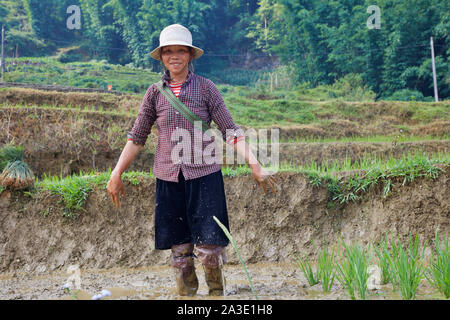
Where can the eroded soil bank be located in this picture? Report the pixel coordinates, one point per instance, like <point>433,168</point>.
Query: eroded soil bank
<point>35,237</point>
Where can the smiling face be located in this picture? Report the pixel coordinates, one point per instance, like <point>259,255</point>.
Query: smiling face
<point>176,59</point>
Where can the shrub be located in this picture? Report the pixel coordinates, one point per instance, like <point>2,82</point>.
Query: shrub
<point>406,95</point>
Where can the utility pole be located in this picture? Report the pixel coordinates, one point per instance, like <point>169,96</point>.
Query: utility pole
<point>436,98</point>
<point>3,57</point>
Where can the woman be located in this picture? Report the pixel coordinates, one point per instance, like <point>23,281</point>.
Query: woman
<point>188,193</point>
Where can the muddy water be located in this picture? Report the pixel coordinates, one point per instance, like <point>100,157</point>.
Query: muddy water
<point>270,280</point>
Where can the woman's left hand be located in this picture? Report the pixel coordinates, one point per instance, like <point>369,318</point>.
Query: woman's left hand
<point>264,178</point>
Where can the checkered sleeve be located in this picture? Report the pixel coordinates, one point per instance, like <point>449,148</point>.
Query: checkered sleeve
<point>145,119</point>
<point>221,115</point>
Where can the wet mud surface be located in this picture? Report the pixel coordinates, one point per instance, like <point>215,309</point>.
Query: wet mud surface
<point>280,281</point>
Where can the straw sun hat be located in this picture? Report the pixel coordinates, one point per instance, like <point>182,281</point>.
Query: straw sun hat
<point>175,34</point>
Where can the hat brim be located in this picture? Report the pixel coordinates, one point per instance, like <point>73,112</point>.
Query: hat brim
<point>156,53</point>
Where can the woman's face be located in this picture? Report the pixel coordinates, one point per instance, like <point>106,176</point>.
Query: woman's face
<point>176,59</point>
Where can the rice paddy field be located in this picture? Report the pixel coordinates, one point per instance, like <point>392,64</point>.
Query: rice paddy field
<point>361,211</point>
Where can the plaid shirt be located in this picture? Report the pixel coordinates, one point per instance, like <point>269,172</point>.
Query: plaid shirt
<point>202,97</point>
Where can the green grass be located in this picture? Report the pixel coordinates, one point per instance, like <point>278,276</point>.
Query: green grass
<point>74,190</point>
<point>372,138</point>
<point>391,173</point>
<point>92,74</point>
<point>249,106</point>
<point>78,109</point>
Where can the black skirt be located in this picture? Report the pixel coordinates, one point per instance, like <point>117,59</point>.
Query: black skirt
<point>184,211</point>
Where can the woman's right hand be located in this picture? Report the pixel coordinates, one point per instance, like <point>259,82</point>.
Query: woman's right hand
<point>115,187</point>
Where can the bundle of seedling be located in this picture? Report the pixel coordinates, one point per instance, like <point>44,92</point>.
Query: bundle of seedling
<point>16,175</point>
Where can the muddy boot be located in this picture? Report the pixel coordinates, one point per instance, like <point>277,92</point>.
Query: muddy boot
<point>183,263</point>
<point>213,258</point>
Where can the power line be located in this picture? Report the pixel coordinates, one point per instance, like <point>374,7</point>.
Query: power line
<point>268,55</point>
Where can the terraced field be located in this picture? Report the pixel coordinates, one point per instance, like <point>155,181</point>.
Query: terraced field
<point>329,151</point>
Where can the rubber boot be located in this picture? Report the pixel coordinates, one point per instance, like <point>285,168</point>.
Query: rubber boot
<point>213,258</point>
<point>183,263</point>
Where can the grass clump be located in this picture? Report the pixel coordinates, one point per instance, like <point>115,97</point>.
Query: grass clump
<point>74,190</point>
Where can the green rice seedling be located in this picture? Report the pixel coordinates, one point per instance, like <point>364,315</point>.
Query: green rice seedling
<point>352,272</point>
<point>359,260</point>
<point>438,273</point>
<point>325,269</point>
<point>227,233</point>
<point>382,253</point>
<point>10,153</point>
<point>17,176</point>
<point>408,268</point>
<point>345,274</point>
<point>305,265</point>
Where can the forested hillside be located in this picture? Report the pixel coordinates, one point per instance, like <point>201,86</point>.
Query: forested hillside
<point>307,41</point>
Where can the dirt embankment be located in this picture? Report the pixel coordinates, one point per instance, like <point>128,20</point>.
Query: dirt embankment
<point>369,118</point>
<point>65,141</point>
<point>57,88</point>
<point>71,98</point>
<point>34,236</point>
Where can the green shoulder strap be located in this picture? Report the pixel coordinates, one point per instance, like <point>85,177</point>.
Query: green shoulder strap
<point>178,105</point>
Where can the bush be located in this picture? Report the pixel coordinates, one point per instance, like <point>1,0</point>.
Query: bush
<point>65,58</point>
<point>351,87</point>
<point>406,95</point>
<point>28,44</point>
